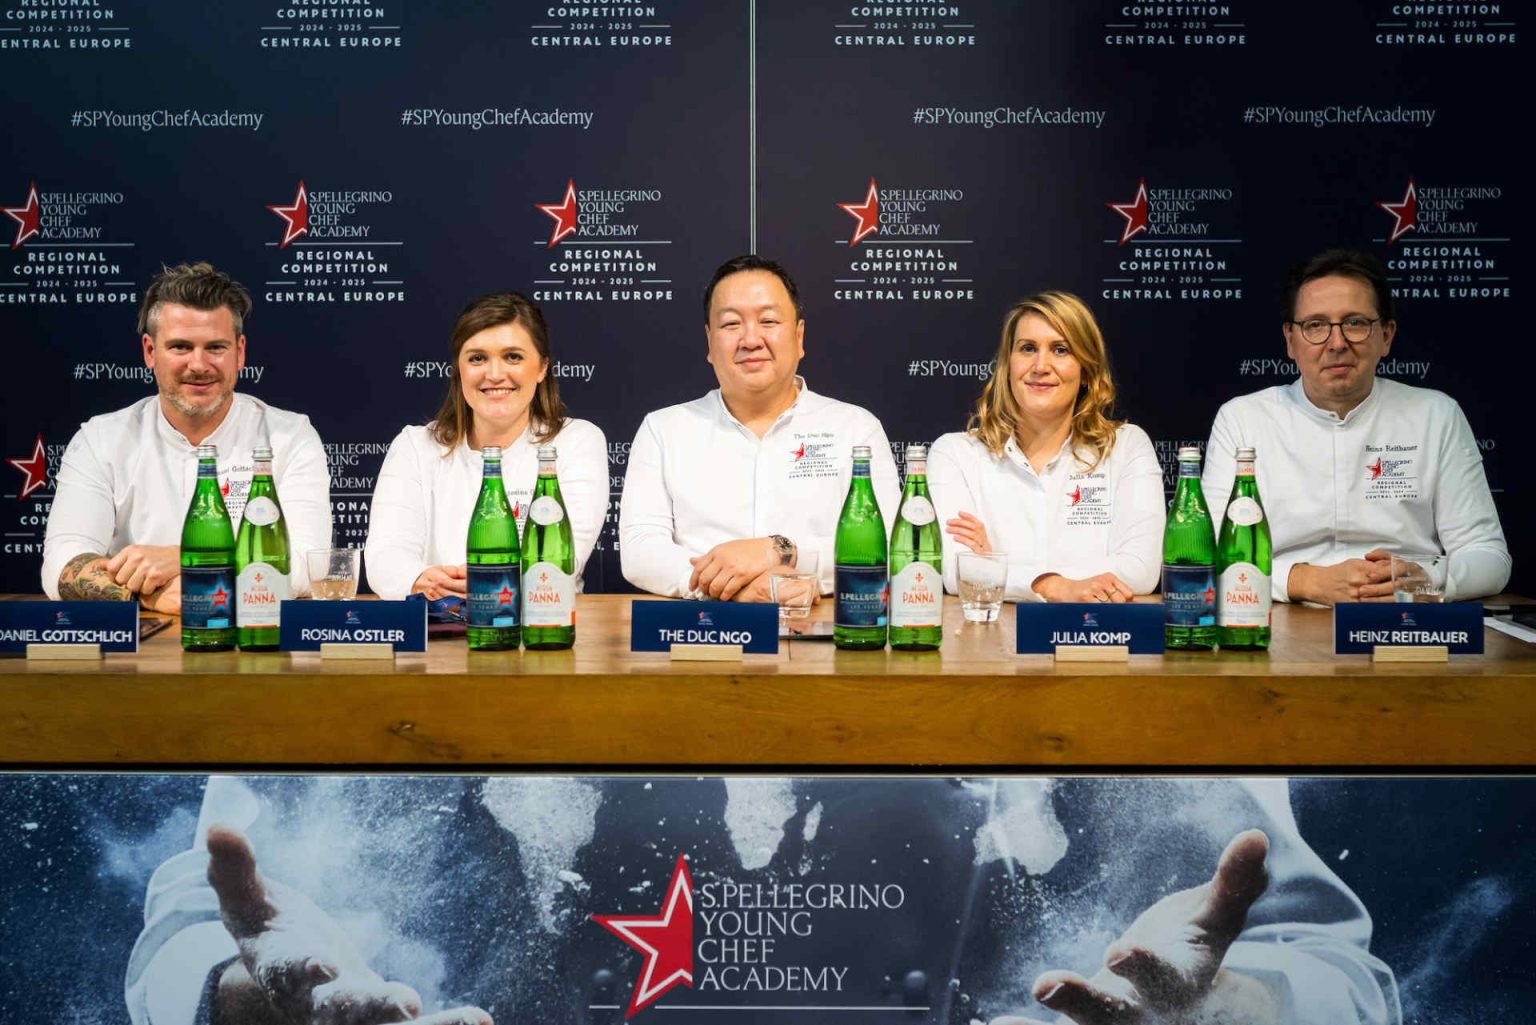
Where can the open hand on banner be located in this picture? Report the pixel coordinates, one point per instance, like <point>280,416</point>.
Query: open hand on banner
<point>1166,968</point>
<point>297,966</point>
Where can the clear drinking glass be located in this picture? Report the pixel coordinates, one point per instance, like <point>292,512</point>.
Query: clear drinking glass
<point>1418,577</point>
<point>333,573</point>
<point>983,581</point>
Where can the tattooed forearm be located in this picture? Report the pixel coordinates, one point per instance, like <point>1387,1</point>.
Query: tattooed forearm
<point>85,578</point>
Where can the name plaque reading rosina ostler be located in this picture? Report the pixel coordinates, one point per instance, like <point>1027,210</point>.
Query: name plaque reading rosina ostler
<point>308,624</point>
<point>1044,627</point>
<point>112,624</point>
<point>657,625</point>
<point>1361,627</point>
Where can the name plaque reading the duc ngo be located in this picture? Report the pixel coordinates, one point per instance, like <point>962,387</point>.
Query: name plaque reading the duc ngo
<point>658,625</point>
<point>1361,627</point>
<point>1044,627</point>
<point>112,624</point>
<point>308,624</point>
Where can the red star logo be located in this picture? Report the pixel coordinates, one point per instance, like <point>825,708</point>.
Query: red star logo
<point>35,467</point>
<point>800,452</point>
<point>1374,469</point>
<point>666,940</point>
<point>516,506</point>
<point>1134,212</point>
<point>26,217</point>
<point>1076,496</point>
<point>1405,214</point>
<point>296,217</point>
<point>224,488</point>
<point>1210,595</point>
<point>866,213</point>
<point>504,596</point>
<point>563,212</point>
<point>221,597</point>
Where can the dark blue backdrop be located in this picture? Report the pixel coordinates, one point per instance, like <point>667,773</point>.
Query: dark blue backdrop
<point>998,135</point>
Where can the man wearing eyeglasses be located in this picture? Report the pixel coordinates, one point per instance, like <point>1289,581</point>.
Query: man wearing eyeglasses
<point>1351,466</point>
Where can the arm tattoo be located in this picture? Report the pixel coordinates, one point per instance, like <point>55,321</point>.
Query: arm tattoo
<point>85,578</point>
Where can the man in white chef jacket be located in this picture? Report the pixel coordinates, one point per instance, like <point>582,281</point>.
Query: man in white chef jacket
<point>721,491</point>
<point>1352,467</point>
<point>127,477</point>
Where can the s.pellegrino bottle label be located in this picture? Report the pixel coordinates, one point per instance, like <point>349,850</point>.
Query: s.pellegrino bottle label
<point>207,597</point>
<point>492,589</point>
<point>861,596</point>
<point>1189,595</point>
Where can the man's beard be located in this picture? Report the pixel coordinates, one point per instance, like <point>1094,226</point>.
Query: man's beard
<point>182,406</point>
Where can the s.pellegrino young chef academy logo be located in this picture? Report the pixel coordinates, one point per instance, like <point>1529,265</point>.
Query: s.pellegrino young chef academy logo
<point>666,940</point>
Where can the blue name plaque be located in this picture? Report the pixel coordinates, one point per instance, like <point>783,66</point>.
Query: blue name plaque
<point>112,624</point>
<point>657,625</point>
<point>305,625</point>
<point>1043,627</point>
<point>1359,627</point>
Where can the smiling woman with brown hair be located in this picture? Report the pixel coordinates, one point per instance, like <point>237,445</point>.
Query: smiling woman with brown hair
<point>501,393</point>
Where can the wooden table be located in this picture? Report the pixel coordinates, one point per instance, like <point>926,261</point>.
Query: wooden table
<point>972,706</point>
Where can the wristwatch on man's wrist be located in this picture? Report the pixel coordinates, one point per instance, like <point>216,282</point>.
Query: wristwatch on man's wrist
<point>784,548</point>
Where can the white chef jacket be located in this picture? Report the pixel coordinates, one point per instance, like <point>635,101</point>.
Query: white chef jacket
<point>127,478</point>
<point>1400,471</point>
<point>424,497</point>
<point>1067,519</point>
<point>697,477</point>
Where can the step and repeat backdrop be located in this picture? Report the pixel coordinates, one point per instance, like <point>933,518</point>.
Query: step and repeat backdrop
<point>367,167</point>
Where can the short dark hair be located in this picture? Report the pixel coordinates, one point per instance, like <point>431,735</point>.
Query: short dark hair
<point>1349,263</point>
<point>751,261</point>
<point>546,413</point>
<point>196,285</point>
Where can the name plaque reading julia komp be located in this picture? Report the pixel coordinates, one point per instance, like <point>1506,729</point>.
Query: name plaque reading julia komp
<point>1361,627</point>
<point>308,624</point>
<point>1042,627</point>
<point>658,625</point>
<point>112,624</point>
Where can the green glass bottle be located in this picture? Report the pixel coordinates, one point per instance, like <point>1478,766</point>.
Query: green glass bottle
<point>1243,564</point>
<point>207,563</point>
<point>262,562</point>
<point>917,558</point>
<point>1189,559</point>
<point>549,564</point>
<point>492,565</point>
<point>859,579</point>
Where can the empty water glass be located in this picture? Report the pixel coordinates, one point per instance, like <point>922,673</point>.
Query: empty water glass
<point>983,581</point>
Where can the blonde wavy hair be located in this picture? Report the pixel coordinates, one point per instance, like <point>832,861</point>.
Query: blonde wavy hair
<point>997,413</point>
